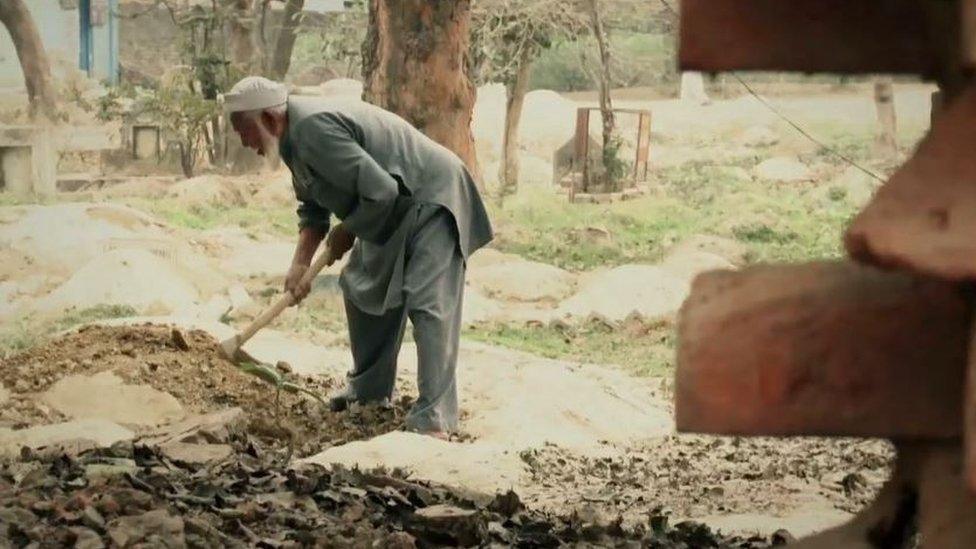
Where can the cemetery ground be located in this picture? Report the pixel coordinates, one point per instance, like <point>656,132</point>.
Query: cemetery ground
<point>565,373</point>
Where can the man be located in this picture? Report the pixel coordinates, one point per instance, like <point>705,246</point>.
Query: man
<point>409,211</point>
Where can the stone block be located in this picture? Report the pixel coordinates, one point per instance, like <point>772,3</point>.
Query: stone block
<point>821,349</point>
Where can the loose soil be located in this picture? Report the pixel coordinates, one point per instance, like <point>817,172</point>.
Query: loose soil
<point>200,379</point>
<point>696,476</point>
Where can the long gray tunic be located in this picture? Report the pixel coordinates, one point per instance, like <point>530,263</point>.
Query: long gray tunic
<point>369,167</point>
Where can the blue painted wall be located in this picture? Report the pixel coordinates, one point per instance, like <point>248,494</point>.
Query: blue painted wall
<point>60,31</point>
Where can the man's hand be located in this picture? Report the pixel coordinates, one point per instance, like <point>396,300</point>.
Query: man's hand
<point>308,241</point>
<point>339,242</point>
<point>293,281</point>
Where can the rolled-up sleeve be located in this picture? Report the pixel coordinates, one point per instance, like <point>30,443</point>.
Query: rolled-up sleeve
<point>329,148</point>
<point>310,214</point>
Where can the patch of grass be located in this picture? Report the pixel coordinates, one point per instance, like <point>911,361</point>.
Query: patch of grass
<point>645,349</point>
<point>11,199</point>
<point>75,318</point>
<point>22,334</point>
<point>275,219</point>
<point>777,222</point>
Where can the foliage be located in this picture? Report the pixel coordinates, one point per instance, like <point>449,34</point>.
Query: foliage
<point>184,114</point>
<point>203,43</point>
<point>334,40</point>
<point>507,33</point>
<point>278,380</point>
<point>616,168</point>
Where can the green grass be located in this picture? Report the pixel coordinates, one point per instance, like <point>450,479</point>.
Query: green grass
<point>642,349</point>
<point>28,332</point>
<point>11,199</point>
<point>777,222</point>
<point>274,220</point>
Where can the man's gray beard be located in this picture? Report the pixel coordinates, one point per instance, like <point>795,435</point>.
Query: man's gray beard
<point>270,143</point>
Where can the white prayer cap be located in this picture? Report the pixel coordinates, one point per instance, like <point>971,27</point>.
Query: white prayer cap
<point>255,93</point>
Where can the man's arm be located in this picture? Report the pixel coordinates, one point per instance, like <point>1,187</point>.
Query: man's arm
<point>328,147</point>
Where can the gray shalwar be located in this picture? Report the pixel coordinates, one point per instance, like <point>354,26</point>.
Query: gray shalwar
<point>417,216</point>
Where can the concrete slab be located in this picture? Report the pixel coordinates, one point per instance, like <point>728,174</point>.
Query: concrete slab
<point>139,405</point>
<point>99,432</point>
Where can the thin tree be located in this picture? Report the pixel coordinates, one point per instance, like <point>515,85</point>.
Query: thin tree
<point>611,143</point>
<point>284,42</point>
<point>33,58</point>
<point>507,37</point>
<point>886,142</point>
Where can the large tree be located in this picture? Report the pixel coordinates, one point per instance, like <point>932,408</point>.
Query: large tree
<point>507,38</point>
<point>284,40</point>
<point>243,35</point>
<point>415,63</point>
<point>33,59</point>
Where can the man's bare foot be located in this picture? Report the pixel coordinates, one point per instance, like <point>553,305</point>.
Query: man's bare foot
<point>442,435</point>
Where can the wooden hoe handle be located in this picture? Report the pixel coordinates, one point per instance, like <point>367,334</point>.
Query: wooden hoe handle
<point>285,301</point>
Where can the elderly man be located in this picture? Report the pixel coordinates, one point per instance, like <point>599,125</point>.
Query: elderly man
<point>410,212</point>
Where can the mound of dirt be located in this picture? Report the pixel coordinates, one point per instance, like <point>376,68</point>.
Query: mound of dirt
<point>687,264</point>
<point>198,377</point>
<point>478,308</point>
<point>61,237</point>
<point>731,250</point>
<point>141,187</point>
<point>648,291</point>
<point>522,280</point>
<point>548,121</point>
<point>136,278</point>
<point>276,190</point>
<point>240,254</point>
<point>209,189</point>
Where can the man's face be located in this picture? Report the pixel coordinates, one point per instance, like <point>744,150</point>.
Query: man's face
<point>254,134</point>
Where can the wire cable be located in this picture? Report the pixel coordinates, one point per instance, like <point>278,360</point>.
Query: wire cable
<point>781,115</point>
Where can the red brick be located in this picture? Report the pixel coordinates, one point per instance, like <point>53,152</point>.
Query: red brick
<point>924,218</point>
<point>969,417</point>
<point>809,36</point>
<point>821,349</point>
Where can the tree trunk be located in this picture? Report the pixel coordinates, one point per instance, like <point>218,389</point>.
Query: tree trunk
<point>242,36</point>
<point>285,40</point>
<point>415,65</point>
<point>605,82</point>
<point>508,174</point>
<point>33,59</point>
<point>886,142</point>
<point>693,89</point>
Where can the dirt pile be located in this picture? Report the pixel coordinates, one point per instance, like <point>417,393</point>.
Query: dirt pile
<point>710,478</point>
<point>197,376</point>
<point>130,495</point>
<point>78,255</point>
<point>517,279</point>
<point>648,291</point>
<point>133,277</point>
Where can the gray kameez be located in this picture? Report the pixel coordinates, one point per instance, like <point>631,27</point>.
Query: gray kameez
<point>417,217</point>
